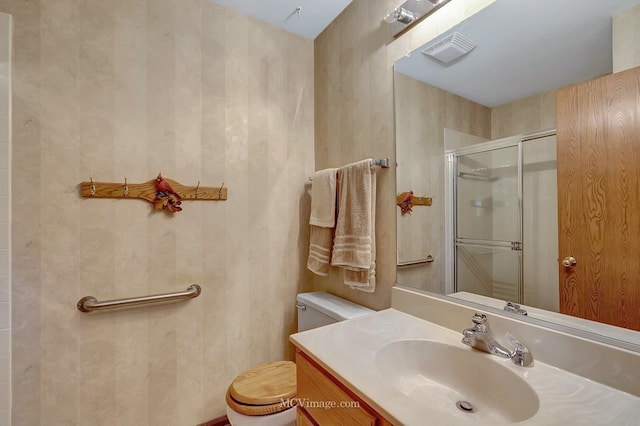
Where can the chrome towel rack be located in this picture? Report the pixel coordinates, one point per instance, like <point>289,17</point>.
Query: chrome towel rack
<point>90,303</point>
<point>385,163</point>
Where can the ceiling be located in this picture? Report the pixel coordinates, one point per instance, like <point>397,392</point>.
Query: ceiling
<point>314,16</point>
<point>524,48</point>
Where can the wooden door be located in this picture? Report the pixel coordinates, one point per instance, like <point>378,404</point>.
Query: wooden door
<point>598,142</point>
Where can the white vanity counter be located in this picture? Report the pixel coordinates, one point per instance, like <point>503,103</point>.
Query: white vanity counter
<point>348,350</point>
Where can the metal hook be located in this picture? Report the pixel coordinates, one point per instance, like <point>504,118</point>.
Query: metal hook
<point>92,187</point>
<point>220,191</point>
<point>126,187</point>
<point>295,12</point>
<point>196,191</point>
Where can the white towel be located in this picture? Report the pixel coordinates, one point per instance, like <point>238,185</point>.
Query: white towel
<point>323,199</point>
<point>322,221</point>
<point>354,242</point>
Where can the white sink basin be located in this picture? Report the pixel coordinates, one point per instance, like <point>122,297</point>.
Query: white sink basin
<point>413,372</point>
<point>441,375</point>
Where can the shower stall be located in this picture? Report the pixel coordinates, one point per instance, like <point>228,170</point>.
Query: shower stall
<point>501,228</point>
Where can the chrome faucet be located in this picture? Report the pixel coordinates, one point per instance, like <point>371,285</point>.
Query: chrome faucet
<point>480,337</point>
<point>515,308</point>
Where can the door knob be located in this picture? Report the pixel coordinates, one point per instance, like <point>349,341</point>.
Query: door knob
<point>569,262</point>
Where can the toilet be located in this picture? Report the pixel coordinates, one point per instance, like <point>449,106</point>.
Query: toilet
<point>255,397</point>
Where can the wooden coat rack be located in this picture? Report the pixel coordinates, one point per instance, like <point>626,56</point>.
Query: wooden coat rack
<point>164,194</point>
<point>407,200</point>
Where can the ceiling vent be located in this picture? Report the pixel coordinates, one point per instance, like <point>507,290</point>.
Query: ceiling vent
<point>449,48</point>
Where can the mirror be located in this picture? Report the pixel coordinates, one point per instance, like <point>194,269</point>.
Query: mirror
<point>487,120</point>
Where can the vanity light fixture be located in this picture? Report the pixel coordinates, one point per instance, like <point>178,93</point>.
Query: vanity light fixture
<point>410,12</point>
<point>401,15</point>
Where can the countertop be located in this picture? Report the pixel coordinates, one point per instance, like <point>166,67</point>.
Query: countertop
<point>347,350</point>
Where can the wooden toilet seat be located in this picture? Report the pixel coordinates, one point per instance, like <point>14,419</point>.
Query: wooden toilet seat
<point>266,389</point>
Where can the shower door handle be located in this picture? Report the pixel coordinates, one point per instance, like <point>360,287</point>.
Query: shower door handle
<point>569,262</point>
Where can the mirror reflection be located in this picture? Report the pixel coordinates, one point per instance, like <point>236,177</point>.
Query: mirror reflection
<point>505,220</point>
<point>478,135</point>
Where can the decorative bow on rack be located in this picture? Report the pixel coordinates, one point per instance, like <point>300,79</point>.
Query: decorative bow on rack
<point>407,200</point>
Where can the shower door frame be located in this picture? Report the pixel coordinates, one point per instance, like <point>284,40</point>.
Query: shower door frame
<point>451,200</point>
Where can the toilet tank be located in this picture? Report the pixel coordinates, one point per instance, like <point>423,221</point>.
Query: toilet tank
<point>318,308</point>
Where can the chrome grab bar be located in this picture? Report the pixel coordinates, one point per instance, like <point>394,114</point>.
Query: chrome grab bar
<point>428,259</point>
<point>90,303</point>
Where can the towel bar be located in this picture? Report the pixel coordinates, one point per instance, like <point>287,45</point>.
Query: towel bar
<point>382,162</point>
<point>90,303</point>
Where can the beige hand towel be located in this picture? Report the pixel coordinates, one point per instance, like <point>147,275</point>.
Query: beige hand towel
<point>354,241</point>
<point>322,221</point>
<point>320,240</point>
<point>323,199</point>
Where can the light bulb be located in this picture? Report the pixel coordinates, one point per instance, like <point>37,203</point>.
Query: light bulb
<point>401,15</point>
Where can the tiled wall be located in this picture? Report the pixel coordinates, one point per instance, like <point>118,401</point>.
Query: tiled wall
<point>5,218</point>
<point>127,89</point>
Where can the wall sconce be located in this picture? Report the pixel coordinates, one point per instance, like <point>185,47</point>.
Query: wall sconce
<point>410,12</point>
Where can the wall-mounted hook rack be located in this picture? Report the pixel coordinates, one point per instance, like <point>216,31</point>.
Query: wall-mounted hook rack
<point>407,200</point>
<point>164,194</point>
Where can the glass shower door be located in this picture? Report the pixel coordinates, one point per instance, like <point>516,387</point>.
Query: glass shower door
<point>488,224</point>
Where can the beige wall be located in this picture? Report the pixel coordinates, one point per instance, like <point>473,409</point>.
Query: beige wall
<point>422,114</point>
<point>354,120</point>
<point>524,116</point>
<point>5,218</point>
<point>626,40</point>
<point>354,60</point>
<point>126,89</point>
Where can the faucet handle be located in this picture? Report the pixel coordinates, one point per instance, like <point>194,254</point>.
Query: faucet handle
<point>514,307</point>
<point>468,338</point>
<point>479,318</point>
<point>521,355</point>
<point>510,305</point>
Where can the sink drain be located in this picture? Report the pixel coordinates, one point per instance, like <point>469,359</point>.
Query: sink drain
<point>465,406</point>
